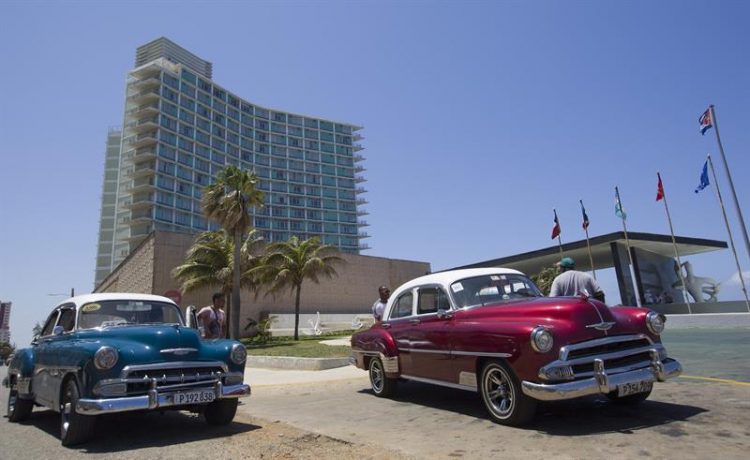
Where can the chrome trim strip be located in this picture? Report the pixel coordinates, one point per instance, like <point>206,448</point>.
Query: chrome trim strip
<point>153,400</point>
<point>564,351</point>
<point>172,365</point>
<point>179,351</point>
<point>607,356</point>
<point>440,382</point>
<point>481,353</point>
<point>365,352</point>
<point>421,350</point>
<point>601,382</point>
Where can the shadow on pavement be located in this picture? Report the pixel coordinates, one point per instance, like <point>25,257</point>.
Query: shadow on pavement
<point>124,432</point>
<point>580,417</point>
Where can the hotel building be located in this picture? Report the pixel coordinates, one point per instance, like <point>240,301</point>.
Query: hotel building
<point>181,128</point>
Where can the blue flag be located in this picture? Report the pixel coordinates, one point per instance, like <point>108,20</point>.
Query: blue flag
<point>704,178</point>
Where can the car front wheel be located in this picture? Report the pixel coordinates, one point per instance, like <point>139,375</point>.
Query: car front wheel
<point>502,395</point>
<point>381,385</point>
<point>74,427</point>
<point>221,411</point>
<point>18,409</point>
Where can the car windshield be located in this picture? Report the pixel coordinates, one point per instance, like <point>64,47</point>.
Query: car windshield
<point>109,313</point>
<point>493,289</point>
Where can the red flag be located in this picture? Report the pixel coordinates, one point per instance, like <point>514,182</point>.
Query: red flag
<point>556,228</point>
<point>659,189</point>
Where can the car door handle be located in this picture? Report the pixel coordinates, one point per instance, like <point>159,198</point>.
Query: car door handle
<point>415,321</point>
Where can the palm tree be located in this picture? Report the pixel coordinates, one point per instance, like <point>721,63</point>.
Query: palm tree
<point>228,202</point>
<point>291,262</point>
<point>210,263</point>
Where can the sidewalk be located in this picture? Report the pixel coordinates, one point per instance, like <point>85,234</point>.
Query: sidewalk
<point>258,377</point>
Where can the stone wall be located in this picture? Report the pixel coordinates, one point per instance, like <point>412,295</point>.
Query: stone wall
<point>149,269</point>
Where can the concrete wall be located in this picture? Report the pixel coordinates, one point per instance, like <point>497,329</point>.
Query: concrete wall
<point>135,273</point>
<point>148,270</point>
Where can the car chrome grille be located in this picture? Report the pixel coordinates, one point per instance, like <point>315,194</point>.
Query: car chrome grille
<point>171,376</point>
<point>618,354</point>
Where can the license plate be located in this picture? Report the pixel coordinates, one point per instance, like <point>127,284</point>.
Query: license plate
<point>633,388</point>
<point>194,397</point>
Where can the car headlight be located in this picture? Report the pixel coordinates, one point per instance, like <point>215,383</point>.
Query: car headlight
<point>541,339</point>
<point>105,358</point>
<point>655,322</point>
<point>238,354</point>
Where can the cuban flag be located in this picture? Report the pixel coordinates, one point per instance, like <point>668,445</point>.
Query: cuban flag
<point>659,189</point>
<point>585,223</point>
<point>619,211</point>
<point>705,121</point>
<point>556,229</point>
<point>704,178</point>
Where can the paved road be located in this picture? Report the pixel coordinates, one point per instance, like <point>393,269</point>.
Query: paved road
<point>688,418</point>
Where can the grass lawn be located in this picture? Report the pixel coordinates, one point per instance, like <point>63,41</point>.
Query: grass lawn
<point>306,347</point>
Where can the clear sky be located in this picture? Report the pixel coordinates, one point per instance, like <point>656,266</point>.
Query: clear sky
<point>480,118</point>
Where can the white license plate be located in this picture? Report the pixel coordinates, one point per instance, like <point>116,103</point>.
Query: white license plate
<point>633,388</point>
<point>194,397</point>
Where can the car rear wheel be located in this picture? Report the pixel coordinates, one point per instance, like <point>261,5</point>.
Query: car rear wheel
<point>503,397</point>
<point>74,427</point>
<point>221,411</point>
<point>381,385</point>
<point>630,400</point>
<point>18,409</point>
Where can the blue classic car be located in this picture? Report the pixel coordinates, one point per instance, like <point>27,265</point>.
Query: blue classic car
<point>107,353</point>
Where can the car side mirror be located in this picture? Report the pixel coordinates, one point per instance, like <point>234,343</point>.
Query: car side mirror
<point>444,314</point>
<point>191,319</point>
<point>35,340</point>
<point>58,330</point>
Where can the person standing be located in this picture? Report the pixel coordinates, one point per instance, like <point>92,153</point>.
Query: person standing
<point>378,308</point>
<point>212,319</point>
<point>572,282</point>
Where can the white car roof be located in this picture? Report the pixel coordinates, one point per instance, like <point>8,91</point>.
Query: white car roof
<point>99,297</point>
<point>449,277</point>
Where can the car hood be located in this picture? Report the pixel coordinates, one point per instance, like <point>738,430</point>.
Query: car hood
<point>155,340</point>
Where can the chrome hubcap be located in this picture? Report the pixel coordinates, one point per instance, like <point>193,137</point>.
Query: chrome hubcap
<point>376,376</point>
<point>499,392</point>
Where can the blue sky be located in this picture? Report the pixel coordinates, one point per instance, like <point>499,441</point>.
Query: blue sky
<point>480,118</point>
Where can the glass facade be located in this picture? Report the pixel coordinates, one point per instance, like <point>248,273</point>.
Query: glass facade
<point>181,129</point>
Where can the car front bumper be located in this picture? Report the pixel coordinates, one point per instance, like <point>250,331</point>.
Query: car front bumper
<point>601,382</point>
<point>155,399</point>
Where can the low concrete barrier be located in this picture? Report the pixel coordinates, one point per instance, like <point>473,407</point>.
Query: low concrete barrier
<point>300,364</point>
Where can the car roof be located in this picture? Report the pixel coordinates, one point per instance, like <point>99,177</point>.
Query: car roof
<point>100,297</point>
<point>451,276</point>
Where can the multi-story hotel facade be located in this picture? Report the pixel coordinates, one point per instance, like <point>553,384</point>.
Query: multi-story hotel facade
<point>181,128</point>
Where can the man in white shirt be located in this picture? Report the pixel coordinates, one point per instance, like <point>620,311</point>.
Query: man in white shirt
<point>379,306</point>
<point>212,318</point>
<point>572,282</point>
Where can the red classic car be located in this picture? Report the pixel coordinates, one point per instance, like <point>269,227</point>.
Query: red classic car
<point>491,330</point>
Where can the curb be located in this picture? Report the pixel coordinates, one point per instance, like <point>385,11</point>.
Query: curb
<point>294,363</point>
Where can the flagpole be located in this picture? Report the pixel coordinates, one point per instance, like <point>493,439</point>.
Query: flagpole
<point>588,245</point>
<point>630,256</point>
<point>559,229</point>
<point>729,231</point>
<point>674,244</point>
<point>731,184</point>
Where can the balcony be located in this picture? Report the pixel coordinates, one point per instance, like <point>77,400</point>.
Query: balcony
<point>358,158</point>
<point>146,71</point>
<point>144,124</point>
<point>142,140</point>
<point>145,96</point>
<point>359,179</point>
<point>359,190</point>
<point>143,170</point>
<point>143,110</point>
<point>362,223</point>
<point>141,216</point>
<point>363,235</point>
<point>143,154</point>
<point>357,137</point>
<point>357,147</point>
<point>362,212</point>
<point>364,247</point>
<point>361,202</point>
<point>143,185</point>
<point>359,169</point>
<point>146,83</point>
<point>141,201</point>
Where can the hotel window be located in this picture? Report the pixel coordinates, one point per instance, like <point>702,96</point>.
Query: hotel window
<point>166,167</point>
<point>217,157</point>
<point>220,94</point>
<point>263,160</point>
<point>233,151</point>
<point>263,113</point>
<point>201,165</point>
<point>188,76</point>
<point>185,158</point>
<point>201,179</point>
<point>203,111</point>
<point>326,147</point>
<point>187,103</point>
<point>326,137</point>
<point>184,173</point>
<point>202,137</point>
<point>328,126</point>
<point>205,152</point>
<point>185,144</point>
<point>260,124</point>
<point>186,130</point>
<point>219,106</point>
<point>233,125</point>
<point>184,188</point>
<point>187,117</point>
<point>313,191</point>
<point>205,99</point>
<point>278,128</point>
<point>219,118</point>
<point>170,80</point>
<point>296,153</point>
<point>167,137</point>
<point>182,219</point>
<point>167,152</point>
<point>311,123</point>
<point>310,134</point>
<point>166,183</point>
<point>330,181</point>
<point>218,144</point>
<point>168,94</point>
<point>278,163</point>
<point>233,101</point>
<point>247,156</point>
<point>168,123</point>
<point>184,203</point>
<point>171,109</point>
<point>163,214</point>
<point>233,138</point>
<point>261,137</point>
<point>164,198</point>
